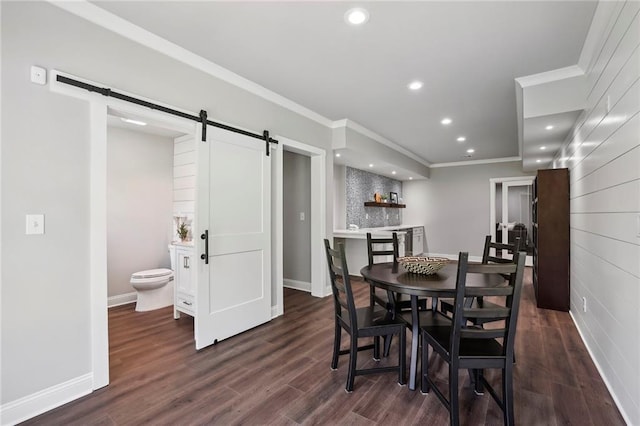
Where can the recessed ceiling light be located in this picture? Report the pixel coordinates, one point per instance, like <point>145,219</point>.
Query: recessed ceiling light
<point>393,172</point>
<point>446,121</point>
<point>538,161</point>
<point>415,85</point>
<point>549,127</point>
<point>471,151</point>
<point>542,148</point>
<point>337,154</point>
<point>461,139</point>
<point>370,165</point>
<point>136,122</point>
<point>356,16</point>
<point>410,178</point>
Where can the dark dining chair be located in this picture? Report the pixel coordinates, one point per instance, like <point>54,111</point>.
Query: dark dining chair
<point>368,321</point>
<point>446,305</point>
<point>377,247</point>
<point>475,348</point>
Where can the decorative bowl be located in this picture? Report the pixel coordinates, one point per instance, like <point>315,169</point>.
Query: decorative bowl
<point>423,265</point>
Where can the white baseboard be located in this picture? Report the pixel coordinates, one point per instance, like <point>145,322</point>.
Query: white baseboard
<point>600,371</point>
<point>276,311</point>
<point>35,404</point>
<point>297,285</point>
<point>122,299</point>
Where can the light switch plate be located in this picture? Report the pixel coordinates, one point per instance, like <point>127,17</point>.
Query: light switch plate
<point>35,224</point>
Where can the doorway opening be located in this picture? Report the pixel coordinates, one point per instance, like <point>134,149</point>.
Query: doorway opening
<point>510,212</point>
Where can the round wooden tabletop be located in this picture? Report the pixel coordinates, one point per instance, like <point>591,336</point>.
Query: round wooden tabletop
<point>441,284</point>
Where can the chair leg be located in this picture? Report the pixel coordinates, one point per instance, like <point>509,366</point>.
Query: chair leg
<point>353,358</point>
<point>387,345</point>
<point>507,395</point>
<point>424,379</point>
<point>336,346</point>
<point>454,409</point>
<point>376,348</point>
<point>402,358</point>
<point>478,387</point>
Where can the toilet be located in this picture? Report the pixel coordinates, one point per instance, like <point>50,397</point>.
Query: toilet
<point>153,288</point>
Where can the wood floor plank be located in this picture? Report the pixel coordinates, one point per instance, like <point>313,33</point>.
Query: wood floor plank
<point>278,373</point>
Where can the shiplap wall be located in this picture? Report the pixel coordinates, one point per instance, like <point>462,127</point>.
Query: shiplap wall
<point>603,155</point>
<point>184,176</point>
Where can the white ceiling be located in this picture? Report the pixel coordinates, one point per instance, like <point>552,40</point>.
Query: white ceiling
<point>466,53</point>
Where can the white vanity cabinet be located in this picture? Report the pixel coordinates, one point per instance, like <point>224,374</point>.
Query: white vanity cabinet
<point>183,286</point>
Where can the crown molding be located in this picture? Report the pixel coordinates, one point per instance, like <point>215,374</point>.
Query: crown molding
<point>111,22</point>
<point>345,122</point>
<point>476,162</point>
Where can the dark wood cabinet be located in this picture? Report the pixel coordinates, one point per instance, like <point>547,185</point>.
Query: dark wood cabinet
<point>551,239</point>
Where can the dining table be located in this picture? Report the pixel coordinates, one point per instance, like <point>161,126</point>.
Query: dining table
<point>393,277</point>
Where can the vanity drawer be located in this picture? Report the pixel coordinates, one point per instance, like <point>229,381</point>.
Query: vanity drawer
<point>185,303</point>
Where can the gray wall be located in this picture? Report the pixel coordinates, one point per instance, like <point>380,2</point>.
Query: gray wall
<point>604,175</point>
<point>139,205</point>
<point>296,174</point>
<point>360,187</point>
<point>454,206</point>
<point>45,169</point>
<point>339,197</point>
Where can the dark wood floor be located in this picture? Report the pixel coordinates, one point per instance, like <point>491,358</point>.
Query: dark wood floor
<point>279,373</point>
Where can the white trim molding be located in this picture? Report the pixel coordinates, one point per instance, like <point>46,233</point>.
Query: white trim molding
<point>297,285</point>
<point>111,22</point>
<point>42,401</point>
<point>620,407</point>
<point>122,299</point>
<point>476,162</point>
<point>345,122</point>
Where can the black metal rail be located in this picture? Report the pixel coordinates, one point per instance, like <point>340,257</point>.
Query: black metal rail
<point>202,118</point>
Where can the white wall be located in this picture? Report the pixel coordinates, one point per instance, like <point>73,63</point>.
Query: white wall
<point>296,173</point>
<point>340,196</point>
<point>603,155</point>
<point>184,176</point>
<point>139,205</point>
<point>454,206</point>
<point>45,169</point>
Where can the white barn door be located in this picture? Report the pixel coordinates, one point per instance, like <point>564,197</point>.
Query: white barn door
<point>234,206</point>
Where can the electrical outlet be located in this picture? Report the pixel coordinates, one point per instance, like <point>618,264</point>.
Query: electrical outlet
<point>35,224</point>
<point>584,304</point>
<point>387,215</point>
<point>302,216</point>
<point>366,216</point>
<point>38,75</point>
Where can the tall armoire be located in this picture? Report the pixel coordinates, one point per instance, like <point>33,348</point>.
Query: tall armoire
<point>551,239</point>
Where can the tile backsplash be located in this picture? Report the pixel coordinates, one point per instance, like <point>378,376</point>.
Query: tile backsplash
<point>360,187</point>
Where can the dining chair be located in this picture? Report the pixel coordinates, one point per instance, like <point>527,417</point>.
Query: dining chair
<point>475,348</point>
<point>446,305</point>
<point>368,321</point>
<point>387,299</point>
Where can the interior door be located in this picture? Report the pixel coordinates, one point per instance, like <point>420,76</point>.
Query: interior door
<point>516,215</point>
<point>234,208</point>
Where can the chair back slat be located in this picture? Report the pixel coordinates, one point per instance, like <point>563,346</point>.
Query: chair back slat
<point>340,283</point>
<point>487,257</point>
<point>506,312</point>
<point>483,333</point>
<point>372,252</point>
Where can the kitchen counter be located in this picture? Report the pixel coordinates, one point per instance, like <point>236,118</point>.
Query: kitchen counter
<point>356,246</point>
<point>381,232</point>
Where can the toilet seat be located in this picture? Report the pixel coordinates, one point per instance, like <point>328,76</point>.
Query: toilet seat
<point>152,273</point>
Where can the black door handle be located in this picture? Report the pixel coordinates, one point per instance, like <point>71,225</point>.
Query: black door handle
<point>205,256</point>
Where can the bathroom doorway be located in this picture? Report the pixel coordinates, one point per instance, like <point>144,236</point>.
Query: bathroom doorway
<point>144,158</point>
